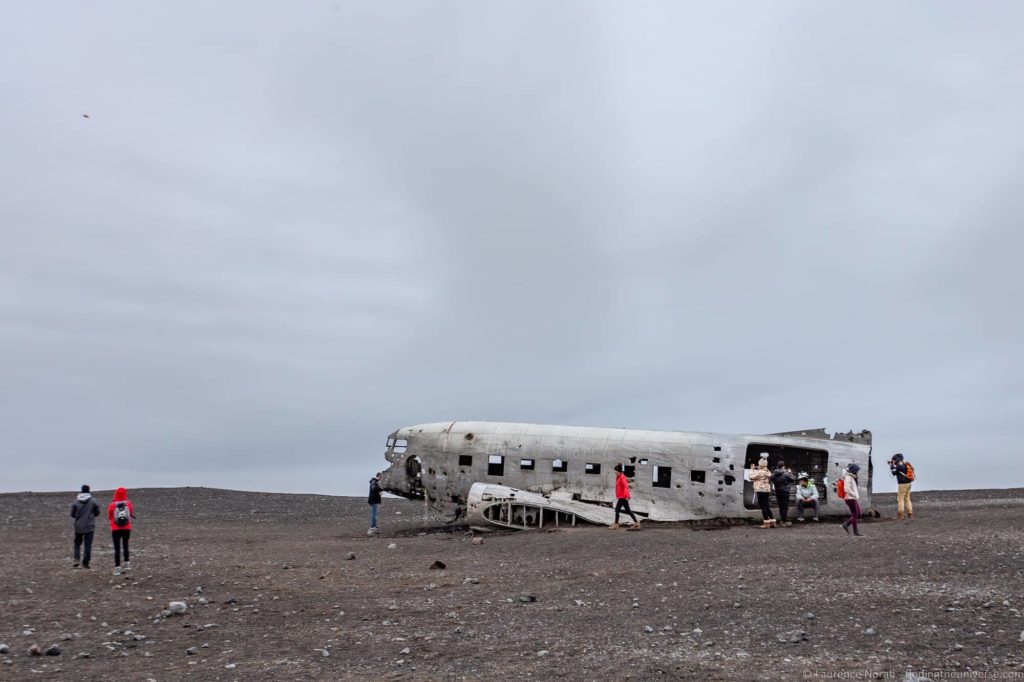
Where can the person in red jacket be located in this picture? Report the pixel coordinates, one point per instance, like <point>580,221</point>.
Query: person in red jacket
<point>120,514</point>
<point>622,498</point>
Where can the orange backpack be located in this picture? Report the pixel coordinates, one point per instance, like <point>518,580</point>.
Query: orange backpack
<point>910,471</point>
<point>841,489</point>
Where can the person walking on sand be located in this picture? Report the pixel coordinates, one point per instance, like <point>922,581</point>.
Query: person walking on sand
<point>622,498</point>
<point>852,498</point>
<point>782,478</point>
<point>120,514</point>
<point>904,474</point>
<point>84,511</point>
<point>762,480</point>
<point>374,500</point>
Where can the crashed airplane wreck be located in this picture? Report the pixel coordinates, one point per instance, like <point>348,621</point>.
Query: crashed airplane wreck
<point>526,476</point>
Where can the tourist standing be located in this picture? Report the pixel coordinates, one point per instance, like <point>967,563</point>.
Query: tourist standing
<point>852,498</point>
<point>622,498</point>
<point>374,500</point>
<point>762,480</point>
<point>904,474</point>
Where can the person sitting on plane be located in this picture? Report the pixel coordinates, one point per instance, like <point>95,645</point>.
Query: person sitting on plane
<point>806,496</point>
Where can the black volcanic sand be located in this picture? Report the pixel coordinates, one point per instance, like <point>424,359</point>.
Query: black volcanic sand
<point>939,593</point>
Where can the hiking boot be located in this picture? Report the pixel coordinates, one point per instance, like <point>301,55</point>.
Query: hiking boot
<point>899,515</point>
<point>117,570</point>
<point>636,526</point>
<point>127,566</point>
<point>613,526</point>
<point>846,526</point>
<point>910,516</point>
<point>74,565</point>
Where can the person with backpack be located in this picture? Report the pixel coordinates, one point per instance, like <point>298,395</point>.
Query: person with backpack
<point>904,473</point>
<point>852,496</point>
<point>120,514</point>
<point>762,480</point>
<point>782,478</point>
<point>84,511</point>
<point>806,496</point>
<point>622,499</point>
<point>374,501</point>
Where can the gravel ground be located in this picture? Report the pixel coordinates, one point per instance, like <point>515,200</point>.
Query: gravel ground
<point>271,594</point>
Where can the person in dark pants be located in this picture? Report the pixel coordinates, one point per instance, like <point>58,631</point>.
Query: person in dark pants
<point>852,498</point>
<point>762,480</point>
<point>84,511</point>
<point>622,498</point>
<point>120,514</point>
<point>374,500</point>
<point>782,478</point>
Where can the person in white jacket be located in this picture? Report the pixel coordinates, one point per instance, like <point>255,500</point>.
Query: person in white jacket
<point>806,496</point>
<point>852,498</point>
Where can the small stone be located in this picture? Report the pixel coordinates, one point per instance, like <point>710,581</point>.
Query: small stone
<point>648,629</point>
<point>325,653</point>
<point>404,652</point>
<point>477,541</point>
<point>809,616</point>
<point>439,565</point>
<point>177,607</point>
<point>204,601</point>
<point>1021,637</point>
<point>230,600</point>
<point>34,650</point>
<point>52,650</point>
<point>83,654</point>
<point>869,631</point>
<point>199,590</point>
<point>542,653</point>
<point>231,666</point>
<point>67,637</point>
<point>350,556</point>
<point>138,638</point>
<point>958,647</point>
<point>286,567</point>
<point>527,598</point>
<point>192,651</point>
<point>4,649</point>
<point>392,546</point>
<point>471,581</point>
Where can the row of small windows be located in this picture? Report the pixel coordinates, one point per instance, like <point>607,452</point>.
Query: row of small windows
<point>661,475</point>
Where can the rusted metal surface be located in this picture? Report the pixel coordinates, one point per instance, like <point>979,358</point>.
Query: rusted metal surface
<point>674,475</point>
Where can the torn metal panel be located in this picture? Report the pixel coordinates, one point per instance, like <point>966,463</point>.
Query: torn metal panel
<point>674,475</point>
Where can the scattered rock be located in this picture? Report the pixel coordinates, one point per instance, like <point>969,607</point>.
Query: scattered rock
<point>404,652</point>
<point>542,653</point>
<point>230,600</point>
<point>527,598</point>
<point>4,649</point>
<point>177,607</point>
<point>648,629</point>
<point>471,581</point>
<point>869,631</point>
<point>231,666</point>
<point>392,546</point>
<point>480,541</point>
<point>52,650</point>
<point>204,601</point>
<point>350,556</point>
<point>34,650</point>
<point>192,651</point>
<point>439,565</point>
<point>809,616</point>
<point>83,654</point>
<point>792,637</point>
<point>67,637</point>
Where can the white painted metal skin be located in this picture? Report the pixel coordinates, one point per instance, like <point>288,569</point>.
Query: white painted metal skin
<point>442,461</point>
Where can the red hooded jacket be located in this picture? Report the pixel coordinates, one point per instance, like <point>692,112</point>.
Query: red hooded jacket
<point>120,495</point>
<point>621,487</point>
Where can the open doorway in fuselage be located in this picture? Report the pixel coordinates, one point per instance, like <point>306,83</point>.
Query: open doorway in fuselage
<point>801,460</point>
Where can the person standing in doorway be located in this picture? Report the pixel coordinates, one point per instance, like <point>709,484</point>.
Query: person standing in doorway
<point>84,511</point>
<point>622,498</point>
<point>904,477</point>
<point>120,514</point>
<point>374,499</point>
<point>762,480</point>
<point>852,498</point>
<point>782,478</point>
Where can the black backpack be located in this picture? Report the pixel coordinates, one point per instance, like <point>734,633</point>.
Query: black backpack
<point>121,517</point>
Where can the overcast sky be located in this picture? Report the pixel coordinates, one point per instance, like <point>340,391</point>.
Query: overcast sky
<point>284,230</point>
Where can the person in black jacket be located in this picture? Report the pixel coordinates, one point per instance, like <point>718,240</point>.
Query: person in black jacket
<point>374,500</point>
<point>898,468</point>
<point>84,511</point>
<point>782,478</point>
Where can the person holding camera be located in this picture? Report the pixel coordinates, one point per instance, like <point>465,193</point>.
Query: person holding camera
<point>903,472</point>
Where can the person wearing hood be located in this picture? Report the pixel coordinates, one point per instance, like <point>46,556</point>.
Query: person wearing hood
<point>84,511</point>
<point>852,498</point>
<point>782,478</point>
<point>120,514</point>
<point>898,468</point>
<point>806,496</point>
<point>762,480</point>
<point>374,500</point>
